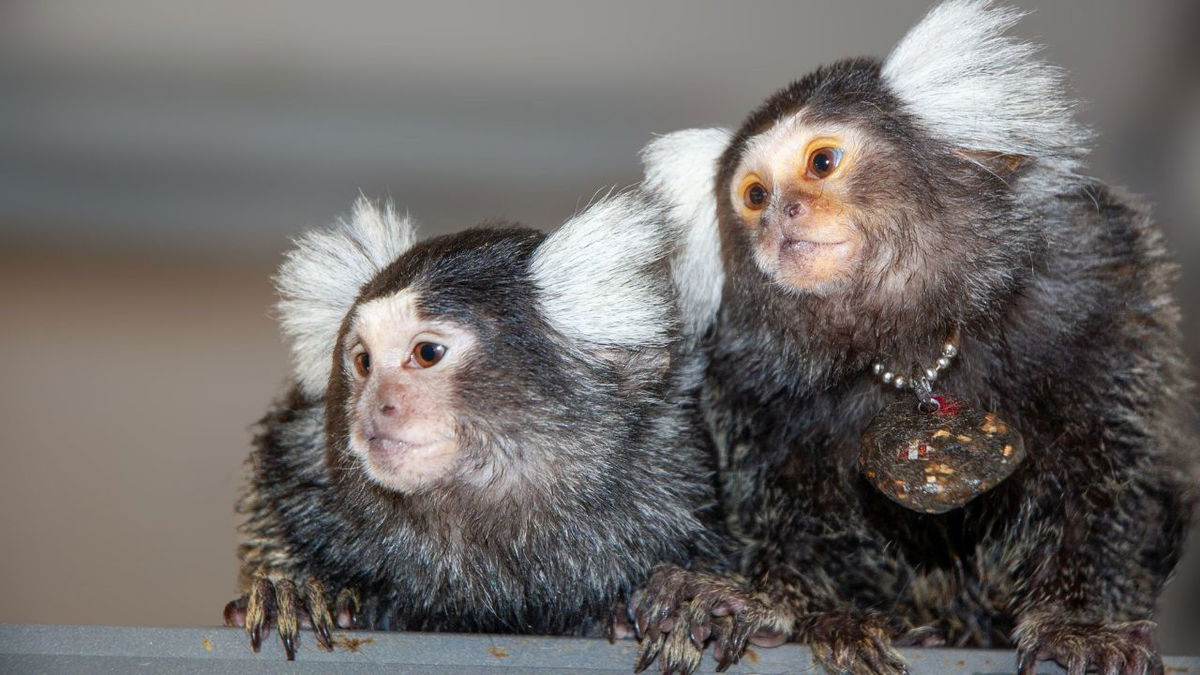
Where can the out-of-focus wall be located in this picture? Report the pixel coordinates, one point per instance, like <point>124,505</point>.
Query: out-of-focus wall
<point>155,157</point>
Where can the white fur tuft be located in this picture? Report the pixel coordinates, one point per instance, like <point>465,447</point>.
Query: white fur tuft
<point>598,275</point>
<point>681,170</point>
<point>983,90</point>
<point>320,278</point>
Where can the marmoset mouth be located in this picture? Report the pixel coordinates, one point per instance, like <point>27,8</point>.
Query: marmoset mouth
<point>380,446</point>
<point>807,244</point>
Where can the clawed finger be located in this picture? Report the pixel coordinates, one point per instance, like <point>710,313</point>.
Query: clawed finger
<point>317,606</point>
<point>647,653</point>
<point>287,600</point>
<point>260,610</point>
<point>281,604</point>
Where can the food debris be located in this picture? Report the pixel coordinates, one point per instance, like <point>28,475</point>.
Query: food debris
<point>498,652</point>
<point>352,644</point>
<point>207,644</point>
<point>992,425</point>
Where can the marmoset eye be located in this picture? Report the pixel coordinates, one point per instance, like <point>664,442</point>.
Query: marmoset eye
<point>755,197</point>
<point>426,354</point>
<point>362,364</point>
<point>823,161</point>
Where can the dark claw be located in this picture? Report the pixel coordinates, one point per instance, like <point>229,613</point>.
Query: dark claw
<point>1026,664</point>
<point>723,644</point>
<point>647,654</point>
<point>289,645</point>
<point>639,624</point>
<point>260,609</point>
<point>699,635</point>
<point>287,619</point>
<point>678,655</point>
<point>318,611</point>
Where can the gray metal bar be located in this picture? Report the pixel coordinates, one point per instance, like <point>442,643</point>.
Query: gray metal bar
<point>109,649</point>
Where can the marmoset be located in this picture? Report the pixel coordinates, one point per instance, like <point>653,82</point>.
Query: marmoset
<point>488,430</point>
<point>921,225</point>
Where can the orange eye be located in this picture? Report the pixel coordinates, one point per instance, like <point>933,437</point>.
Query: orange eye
<point>362,364</point>
<point>426,354</point>
<point>755,197</point>
<point>823,161</point>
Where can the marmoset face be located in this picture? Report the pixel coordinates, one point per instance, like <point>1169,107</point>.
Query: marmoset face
<point>792,193</point>
<point>401,369</point>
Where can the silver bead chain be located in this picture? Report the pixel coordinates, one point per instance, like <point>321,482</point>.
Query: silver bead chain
<point>930,374</point>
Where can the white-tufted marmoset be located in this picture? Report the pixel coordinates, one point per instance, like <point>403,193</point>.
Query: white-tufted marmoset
<point>922,225</point>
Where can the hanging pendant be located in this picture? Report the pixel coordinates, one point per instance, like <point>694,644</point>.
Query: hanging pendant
<point>936,454</point>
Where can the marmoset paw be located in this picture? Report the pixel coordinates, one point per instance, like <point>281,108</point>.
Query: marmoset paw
<point>1126,648</point>
<point>853,642</point>
<point>681,612</point>
<point>280,602</point>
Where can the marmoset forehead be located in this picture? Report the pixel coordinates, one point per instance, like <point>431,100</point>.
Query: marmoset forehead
<point>783,145</point>
<point>397,316</point>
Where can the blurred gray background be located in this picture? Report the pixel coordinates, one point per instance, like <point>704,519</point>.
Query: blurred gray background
<point>155,158</point>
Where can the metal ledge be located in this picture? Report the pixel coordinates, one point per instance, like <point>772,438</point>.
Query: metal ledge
<point>108,649</point>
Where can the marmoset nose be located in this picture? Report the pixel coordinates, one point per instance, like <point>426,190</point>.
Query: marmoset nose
<point>794,210</point>
<point>390,400</point>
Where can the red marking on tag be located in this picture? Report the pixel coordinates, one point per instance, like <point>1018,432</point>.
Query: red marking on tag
<point>918,451</point>
<point>947,405</point>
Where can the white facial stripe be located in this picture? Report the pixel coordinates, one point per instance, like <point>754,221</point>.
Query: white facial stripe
<point>777,153</point>
<point>781,142</point>
<point>385,326</point>
<point>391,327</point>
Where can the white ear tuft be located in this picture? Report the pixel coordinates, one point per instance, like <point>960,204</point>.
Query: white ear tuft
<point>985,91</point>
<point>321,277</point>
<point>600,275</point>
<point>681,171</point>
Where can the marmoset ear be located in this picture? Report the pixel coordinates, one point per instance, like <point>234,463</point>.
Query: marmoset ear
<point>681,173</point>
<point>985,92</point>
<point>602,279</point>
<point>321,277</point>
